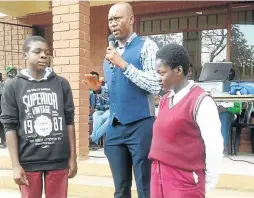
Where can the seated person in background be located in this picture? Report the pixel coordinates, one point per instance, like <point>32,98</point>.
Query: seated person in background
<point>99,113</point>
<point>157,102</point>
<point>11,72</point>
<point>2,135</point>
<point>100,126</point>
<point>228,115</point>
<point>190,72</point>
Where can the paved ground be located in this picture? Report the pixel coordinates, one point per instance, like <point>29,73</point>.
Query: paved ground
<point>216,194</point>
<point>14,194</point>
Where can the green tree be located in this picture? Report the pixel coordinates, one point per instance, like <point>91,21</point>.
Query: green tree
<point>241,53</point>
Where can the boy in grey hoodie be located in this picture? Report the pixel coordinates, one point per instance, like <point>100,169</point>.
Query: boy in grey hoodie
<point>38,118</point>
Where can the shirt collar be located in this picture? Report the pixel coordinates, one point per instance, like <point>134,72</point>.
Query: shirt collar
<point>134,35</point>
<point>185,89</point>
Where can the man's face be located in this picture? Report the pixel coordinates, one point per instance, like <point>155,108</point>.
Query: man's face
<point>120,22</point>
<point>38,56</point>
<point>169,77</point>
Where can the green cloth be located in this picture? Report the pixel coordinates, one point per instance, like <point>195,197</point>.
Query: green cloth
<point>236,109</point>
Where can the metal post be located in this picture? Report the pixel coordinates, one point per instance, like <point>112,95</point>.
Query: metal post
<point>229,31</point>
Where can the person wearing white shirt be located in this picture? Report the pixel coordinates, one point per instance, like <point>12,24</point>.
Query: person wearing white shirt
<point>187,145</point>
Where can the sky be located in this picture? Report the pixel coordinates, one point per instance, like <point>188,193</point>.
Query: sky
<point>248,31</point>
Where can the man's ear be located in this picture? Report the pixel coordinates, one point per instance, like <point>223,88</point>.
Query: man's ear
<point>132,20</point>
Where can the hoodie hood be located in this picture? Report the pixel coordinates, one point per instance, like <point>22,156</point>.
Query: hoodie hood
<point>49,73</point>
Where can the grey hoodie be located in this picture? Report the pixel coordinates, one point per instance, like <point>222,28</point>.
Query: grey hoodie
<point>39,111</point>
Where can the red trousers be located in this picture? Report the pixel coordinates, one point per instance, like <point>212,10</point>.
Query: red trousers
<point>169,182</point>
<point>55,183</point>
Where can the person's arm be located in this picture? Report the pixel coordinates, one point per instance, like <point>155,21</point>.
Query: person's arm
<point>97,85</point>
<point>10,121</point>
<point>146,79</point>
<point>69,119</point>
<point>209,124</point>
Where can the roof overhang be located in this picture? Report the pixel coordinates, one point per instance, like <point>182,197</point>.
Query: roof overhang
<point>23,8</point>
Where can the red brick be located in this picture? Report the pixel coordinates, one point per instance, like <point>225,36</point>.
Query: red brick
<point>75,60</point>
<point>61,61</point>
<point>29,31</point>
<point>75,94</point>
<point>85,53</point>
<point>61,44</point>
<point>84,10</point>
<point>57,69</point>
<point>61,27</point>
<point>76,102</point>
<point>86,28</point>
<point>70,17</point>
<point>65,75</point>
<point>85,45</point>
<point>86,36</point>
<point>74,85</point>
<point>57,36</point>
<point>70,52</point>
<point>56,3</point>
<point>56,19</point>
<point>69,2</point>
<point>85,4</point>
<point>82,110</point>
<point>74,8</point>
<point>76,77</point>
<point>71,69</point>
<point>82,119</point>
<point>75,42</point>
<point>60,10</point>
<point>71,34</point>
<point>57,52</point>
<point>75,25</point>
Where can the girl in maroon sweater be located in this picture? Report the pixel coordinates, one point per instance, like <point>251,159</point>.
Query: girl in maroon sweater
<point>187,145</point>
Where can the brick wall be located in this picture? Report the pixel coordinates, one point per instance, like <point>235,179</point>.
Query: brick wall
<point>99,34</point>
<point>71,43</point>
<point>11,43</point>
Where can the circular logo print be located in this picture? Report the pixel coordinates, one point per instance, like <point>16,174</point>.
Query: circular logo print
<point>43,126</point>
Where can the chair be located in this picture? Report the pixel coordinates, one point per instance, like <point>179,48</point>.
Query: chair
<point>243,120</point>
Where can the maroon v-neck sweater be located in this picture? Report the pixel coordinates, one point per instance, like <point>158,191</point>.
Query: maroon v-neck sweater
<point>177,140</point>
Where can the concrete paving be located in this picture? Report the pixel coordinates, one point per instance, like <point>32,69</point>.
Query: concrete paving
<point>15,194</point>
<point>214,194</point>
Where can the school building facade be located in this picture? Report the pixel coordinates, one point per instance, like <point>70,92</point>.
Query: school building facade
<point>77,33</point>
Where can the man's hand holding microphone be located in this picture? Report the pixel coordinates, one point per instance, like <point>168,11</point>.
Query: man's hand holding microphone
<point>115,60</point>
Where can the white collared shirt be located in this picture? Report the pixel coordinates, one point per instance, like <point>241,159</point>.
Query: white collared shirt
<point>209,124</point>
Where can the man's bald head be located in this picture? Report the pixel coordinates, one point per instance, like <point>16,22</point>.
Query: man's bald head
<point>124,7</point>
<point>120,20</point>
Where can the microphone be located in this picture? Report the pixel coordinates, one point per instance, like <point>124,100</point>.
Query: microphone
<point>111,43</point>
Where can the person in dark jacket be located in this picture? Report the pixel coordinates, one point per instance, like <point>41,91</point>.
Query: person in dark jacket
<point>99,115</point>
<point>38,118</point>
<point>2,135</point>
